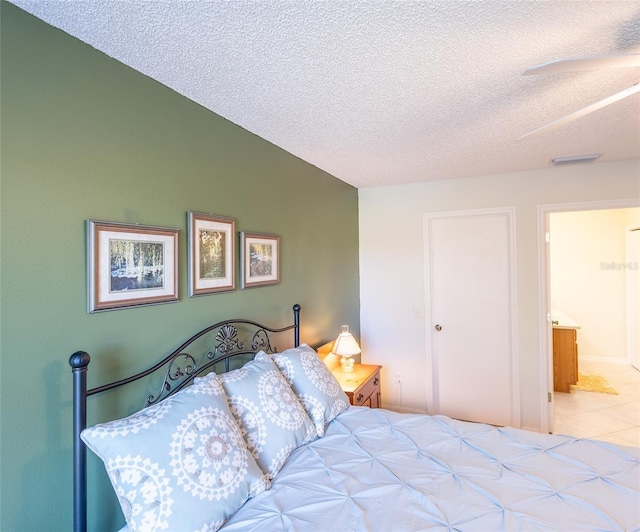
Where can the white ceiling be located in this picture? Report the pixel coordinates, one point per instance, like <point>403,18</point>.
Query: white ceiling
<point>381,92</point>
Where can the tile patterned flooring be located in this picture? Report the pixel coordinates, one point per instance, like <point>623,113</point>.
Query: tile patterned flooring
<point>601,416</point>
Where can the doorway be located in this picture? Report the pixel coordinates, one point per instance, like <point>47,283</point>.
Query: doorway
<point>584,278</point>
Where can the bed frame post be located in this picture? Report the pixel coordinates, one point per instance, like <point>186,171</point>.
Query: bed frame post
<point>79,362</point>
<point>296,322</point>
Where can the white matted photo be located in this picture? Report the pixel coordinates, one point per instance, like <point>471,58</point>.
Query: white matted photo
<point>211,254</point>
<point>130,265</point>
<point>260,259</point>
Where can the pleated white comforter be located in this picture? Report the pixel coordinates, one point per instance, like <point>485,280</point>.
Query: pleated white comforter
<point>376,470</point>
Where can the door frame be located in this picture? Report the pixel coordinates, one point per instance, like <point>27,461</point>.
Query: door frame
<point>514,385</point>
<point>544,295</point>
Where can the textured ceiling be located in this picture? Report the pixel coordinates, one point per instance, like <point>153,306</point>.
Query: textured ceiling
<point>380,92</point>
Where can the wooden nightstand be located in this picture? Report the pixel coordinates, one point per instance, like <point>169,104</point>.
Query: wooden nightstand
<point>362,385</point>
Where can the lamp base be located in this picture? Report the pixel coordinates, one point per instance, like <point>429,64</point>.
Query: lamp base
<point>347,363</point>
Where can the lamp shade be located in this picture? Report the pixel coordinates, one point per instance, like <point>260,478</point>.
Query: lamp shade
<point>345,344</point>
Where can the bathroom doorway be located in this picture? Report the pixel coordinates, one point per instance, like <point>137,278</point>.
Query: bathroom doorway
<point>585,282</point>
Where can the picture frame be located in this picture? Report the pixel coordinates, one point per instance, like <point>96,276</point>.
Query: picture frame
<point>130,265</point>
<point>211,254</point>
<point>259,259</point>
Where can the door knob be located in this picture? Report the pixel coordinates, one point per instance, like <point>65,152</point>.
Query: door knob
<point>438,327</point>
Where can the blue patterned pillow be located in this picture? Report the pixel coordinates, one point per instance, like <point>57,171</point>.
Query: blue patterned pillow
<point>316,387</point>
<point>272,419</point>
<point>181,464</point>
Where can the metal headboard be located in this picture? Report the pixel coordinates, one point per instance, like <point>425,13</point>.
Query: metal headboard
<point>218,344</point>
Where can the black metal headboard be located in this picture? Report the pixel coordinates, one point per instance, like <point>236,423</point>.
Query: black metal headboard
<point>211,348</point>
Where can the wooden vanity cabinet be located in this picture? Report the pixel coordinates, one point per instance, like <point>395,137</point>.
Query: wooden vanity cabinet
<point>565,359</point>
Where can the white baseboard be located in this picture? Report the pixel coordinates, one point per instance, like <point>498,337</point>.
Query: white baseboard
<point>402,409</point>
<point>614,360</point>
<point>532,429</point>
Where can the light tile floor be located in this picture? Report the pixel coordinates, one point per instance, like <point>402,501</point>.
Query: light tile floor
<point>601,416</point>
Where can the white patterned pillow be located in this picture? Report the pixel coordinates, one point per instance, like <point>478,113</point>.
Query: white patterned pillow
<point>272,419</point>
<point>181,464</point>
<point>316,387</point>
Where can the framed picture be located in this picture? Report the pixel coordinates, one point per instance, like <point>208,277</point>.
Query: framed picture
<point>130,265</point>
<point>211,254</point>
<point>260,259</point>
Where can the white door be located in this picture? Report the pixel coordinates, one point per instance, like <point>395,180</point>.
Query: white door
<point>470,297</point>
<point>633,295</point>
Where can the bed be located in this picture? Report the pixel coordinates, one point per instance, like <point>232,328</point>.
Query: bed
<point>244,436</point>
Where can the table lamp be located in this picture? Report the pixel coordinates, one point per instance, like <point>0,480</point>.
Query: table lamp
<point>345,347</point>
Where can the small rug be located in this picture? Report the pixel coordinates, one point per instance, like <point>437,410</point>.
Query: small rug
<point>593,383</point>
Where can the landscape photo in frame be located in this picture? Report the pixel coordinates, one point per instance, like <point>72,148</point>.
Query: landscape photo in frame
<point>211,254</point>
<point>260,264</point>
<point>130,265</point>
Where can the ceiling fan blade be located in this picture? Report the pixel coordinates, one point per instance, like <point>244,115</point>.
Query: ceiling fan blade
<point>595,62</point>
<point>584,111</point>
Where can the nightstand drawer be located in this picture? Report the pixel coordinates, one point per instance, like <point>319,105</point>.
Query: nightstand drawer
<point>363,394</point>
<point>362,385</point>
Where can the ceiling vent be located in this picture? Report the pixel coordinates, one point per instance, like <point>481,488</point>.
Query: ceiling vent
<point>575,159</point>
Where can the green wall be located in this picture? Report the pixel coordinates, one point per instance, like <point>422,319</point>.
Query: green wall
<point>84,136</point>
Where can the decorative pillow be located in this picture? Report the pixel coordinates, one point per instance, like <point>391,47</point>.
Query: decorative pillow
<point>181,464</point>
<point>272,419</point>
<point>316,387</point>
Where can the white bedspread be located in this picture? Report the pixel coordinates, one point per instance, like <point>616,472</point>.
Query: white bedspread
<point>376,470</point>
